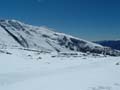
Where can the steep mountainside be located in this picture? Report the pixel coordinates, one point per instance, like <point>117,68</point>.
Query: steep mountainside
<point>17,34</point>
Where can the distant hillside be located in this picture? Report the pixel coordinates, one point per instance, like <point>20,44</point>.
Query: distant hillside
<point>111,43</point>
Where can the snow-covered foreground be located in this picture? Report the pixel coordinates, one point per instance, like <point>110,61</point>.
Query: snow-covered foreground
<point>58,73</point>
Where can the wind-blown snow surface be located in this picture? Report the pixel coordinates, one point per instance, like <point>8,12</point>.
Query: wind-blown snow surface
<point>29,70</point>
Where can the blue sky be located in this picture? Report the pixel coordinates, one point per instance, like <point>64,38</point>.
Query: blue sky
<point>87,19</point>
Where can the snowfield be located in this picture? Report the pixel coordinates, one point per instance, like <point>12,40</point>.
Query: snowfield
<point>29,70</point>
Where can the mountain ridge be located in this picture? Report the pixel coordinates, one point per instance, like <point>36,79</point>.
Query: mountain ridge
<point>114,44</point>
<point>42,38</point>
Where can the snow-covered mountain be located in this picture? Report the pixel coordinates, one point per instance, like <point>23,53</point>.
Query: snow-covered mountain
<point>17,34</point>
<point>28,60</point>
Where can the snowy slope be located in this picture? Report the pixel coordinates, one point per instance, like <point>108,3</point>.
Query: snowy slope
<point>6,39</point>
<point>59,73</point>
<point>17,34</point>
